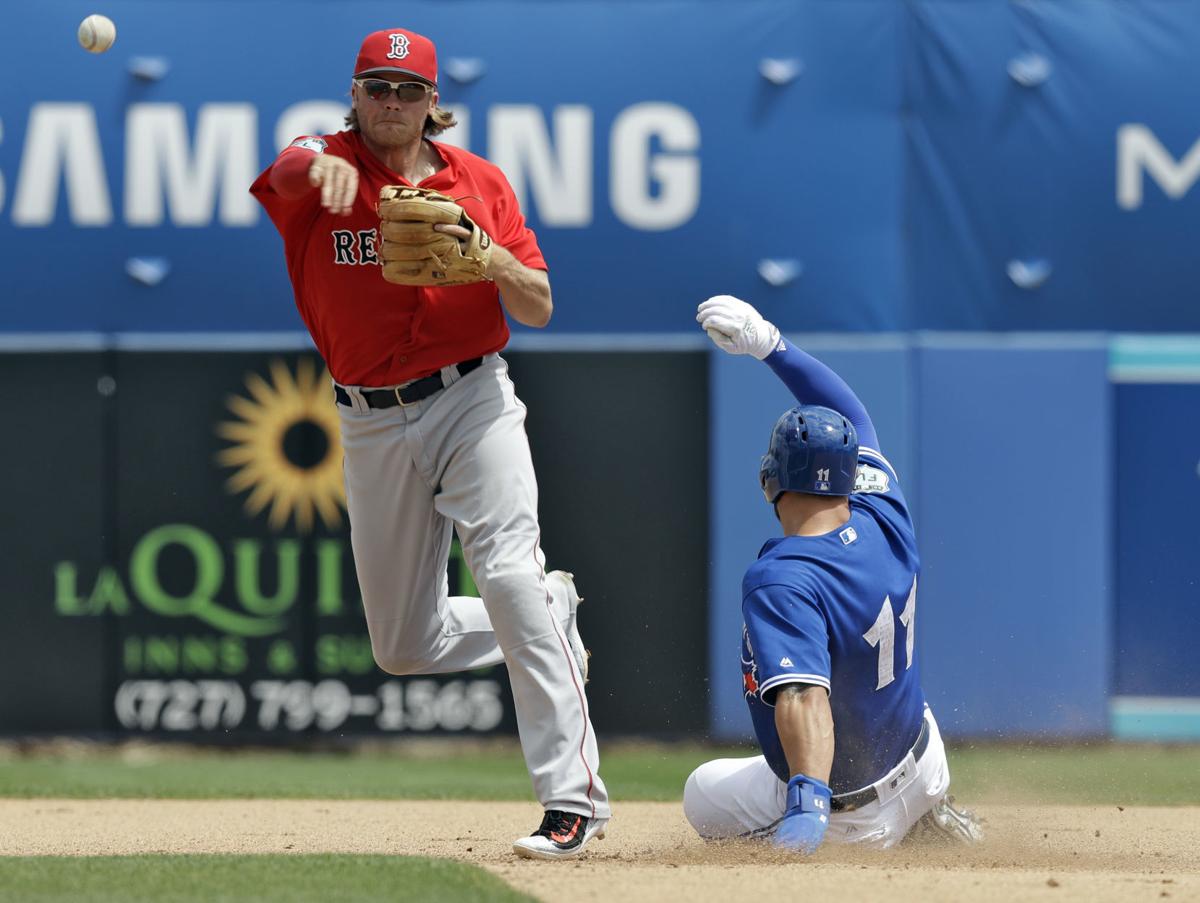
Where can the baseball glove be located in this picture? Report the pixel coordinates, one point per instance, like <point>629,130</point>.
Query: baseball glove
<point>414,253</point>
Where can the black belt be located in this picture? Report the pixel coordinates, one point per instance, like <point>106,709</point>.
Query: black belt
<point>415,391</point>
<point>848,802</point>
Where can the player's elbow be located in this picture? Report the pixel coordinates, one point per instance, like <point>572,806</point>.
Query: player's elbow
<point>541,317</point>
<point>536,308</point>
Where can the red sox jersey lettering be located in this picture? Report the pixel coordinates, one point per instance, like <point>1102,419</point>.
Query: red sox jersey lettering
<point>354,248</point>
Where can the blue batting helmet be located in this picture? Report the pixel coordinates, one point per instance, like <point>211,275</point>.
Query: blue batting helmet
<point>813,449</point>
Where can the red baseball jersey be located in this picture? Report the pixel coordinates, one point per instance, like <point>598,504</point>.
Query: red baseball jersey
<point>371,332</point>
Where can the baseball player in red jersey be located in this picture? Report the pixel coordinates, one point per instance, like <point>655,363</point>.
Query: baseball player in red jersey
<point>433,432</point>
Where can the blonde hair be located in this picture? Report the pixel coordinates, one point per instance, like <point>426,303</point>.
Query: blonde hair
<point>435,123</point>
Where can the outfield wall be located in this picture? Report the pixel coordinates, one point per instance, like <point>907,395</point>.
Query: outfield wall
<point>149,592</point>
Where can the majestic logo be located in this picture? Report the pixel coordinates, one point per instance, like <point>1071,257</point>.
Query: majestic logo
<point>399,47</point>
<point>287,447</point>
<point>786,662</point>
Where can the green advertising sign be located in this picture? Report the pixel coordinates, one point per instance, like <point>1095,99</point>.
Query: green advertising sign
<point>232,594</point>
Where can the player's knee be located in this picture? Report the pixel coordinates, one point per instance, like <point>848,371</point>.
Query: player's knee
<point>698,806</point>
<point>396,661</point>
<point>691,802</point>
<point>393,665</point>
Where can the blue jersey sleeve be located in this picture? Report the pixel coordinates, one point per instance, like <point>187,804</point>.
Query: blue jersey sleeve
<point>877,487</point>
<point>788,638</point>
<point>811,382</point>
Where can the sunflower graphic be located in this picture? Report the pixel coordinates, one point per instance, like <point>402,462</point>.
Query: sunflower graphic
<point>287,450</point>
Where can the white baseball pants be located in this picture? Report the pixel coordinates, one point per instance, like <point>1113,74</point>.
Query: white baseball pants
<point>729,798</point>
<point>460,458</point>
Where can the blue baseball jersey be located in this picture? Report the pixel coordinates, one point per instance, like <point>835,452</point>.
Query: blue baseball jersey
<point>839,611</point>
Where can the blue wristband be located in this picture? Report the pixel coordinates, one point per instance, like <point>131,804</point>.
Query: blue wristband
<point>807,816</point>
<point>807,794</point>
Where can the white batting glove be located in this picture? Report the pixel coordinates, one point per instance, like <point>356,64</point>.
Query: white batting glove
<point>736,327</point>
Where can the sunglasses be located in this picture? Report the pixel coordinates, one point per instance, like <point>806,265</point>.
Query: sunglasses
<point>406,92</point>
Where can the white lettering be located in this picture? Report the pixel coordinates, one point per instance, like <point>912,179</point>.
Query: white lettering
<point>310,117</point>
<point>197,174</point>
<point>62,142</point>
<point>561,182</point>
<point>1138,149</point>
<point>633,168</point>
<point>157,159</point>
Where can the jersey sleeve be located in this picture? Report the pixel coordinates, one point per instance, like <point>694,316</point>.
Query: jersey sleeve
<point>289,175</point>
<point>788,636</point>
<point>876,486</point>
<point>512,233</point>
<point>812,382</point>
<point>283,187</point>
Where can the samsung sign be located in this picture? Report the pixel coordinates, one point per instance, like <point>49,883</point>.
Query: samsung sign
<point>171,177</point>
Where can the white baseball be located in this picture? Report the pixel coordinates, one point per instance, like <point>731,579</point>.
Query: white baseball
<point>97,33</point>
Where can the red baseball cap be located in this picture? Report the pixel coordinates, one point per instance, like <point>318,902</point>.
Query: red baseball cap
<point>398,50</point>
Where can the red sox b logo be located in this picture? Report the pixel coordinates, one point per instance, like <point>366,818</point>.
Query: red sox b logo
<point>399,47</point>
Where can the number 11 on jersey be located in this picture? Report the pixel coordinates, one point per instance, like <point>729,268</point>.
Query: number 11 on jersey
<point>883,635</point>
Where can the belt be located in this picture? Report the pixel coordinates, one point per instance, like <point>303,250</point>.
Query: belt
<point>848,802</point>
<point>410,393</point>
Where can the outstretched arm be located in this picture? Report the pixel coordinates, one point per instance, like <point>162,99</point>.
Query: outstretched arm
<point>812,382</point>
<point>298,170</point>
<point>737,328</point>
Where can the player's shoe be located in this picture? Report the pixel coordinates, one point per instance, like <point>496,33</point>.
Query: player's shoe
<point>578,650</point>
<point>947,822</point>
<point>562,835</point>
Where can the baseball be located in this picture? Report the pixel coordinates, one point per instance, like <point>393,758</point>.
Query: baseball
<point>97,33</point>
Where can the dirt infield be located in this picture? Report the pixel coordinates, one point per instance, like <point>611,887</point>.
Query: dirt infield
<point>1053,853</point>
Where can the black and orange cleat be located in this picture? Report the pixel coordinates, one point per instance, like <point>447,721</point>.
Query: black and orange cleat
<point>562,835</point>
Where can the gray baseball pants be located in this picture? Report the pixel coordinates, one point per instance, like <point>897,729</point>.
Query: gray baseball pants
<point>460,459</point>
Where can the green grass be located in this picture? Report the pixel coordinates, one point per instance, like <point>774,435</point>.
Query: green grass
<point>1098,773</point>
<point>262,879</point>
<point>643,772</point>
<point>1095,774</point>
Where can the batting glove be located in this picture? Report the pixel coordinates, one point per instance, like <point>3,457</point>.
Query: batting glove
<point>807,816</point>
<point>736,327</point>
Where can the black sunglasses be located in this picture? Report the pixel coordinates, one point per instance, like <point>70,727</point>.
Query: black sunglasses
<point>406,92</point>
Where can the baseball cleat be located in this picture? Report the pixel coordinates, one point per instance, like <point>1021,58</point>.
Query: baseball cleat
<point>562,835</point>
<point>947,822</point>
<point>573,601</point>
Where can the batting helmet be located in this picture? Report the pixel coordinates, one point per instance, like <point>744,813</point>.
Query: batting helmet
<point>813,449</point>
